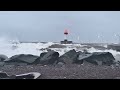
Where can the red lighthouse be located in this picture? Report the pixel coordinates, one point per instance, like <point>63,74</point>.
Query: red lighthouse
<point>65,38</point>
<point>65,34</point>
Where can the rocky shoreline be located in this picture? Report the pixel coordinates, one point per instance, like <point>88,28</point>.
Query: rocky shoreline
<point>50,65</point>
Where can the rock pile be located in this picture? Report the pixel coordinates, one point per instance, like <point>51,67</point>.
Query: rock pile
<point>52,58</point>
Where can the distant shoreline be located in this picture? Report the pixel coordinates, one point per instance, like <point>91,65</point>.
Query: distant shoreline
<point>73,43</point>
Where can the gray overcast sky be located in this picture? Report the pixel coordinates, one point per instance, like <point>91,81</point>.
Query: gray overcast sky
<point>50,25</point>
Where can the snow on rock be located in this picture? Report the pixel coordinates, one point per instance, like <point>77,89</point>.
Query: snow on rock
<point>34,74</point>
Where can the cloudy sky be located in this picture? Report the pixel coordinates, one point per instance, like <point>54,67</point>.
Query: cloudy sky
<point>89,26</point>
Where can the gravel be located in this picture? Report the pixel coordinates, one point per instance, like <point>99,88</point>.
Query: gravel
<point>72,71</point>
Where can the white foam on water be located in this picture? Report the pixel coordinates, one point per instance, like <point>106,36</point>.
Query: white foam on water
<point>13,47</point>
<point>10,48</point>
<point>114,52</point>
<point>105,46</point>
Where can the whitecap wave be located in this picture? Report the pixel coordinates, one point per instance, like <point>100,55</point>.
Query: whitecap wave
<point>14,47</point>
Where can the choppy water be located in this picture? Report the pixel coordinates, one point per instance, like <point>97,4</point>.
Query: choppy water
<point>12,47</point>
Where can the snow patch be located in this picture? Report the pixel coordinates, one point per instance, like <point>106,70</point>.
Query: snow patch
<point>35,74</point>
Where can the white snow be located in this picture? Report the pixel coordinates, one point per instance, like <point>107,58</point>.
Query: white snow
<point>35,74</point>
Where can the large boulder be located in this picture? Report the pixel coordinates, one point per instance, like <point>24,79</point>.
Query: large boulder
<point>49,57</point>
<point>69,57</point>
<point>97,58</point>
<point>22,59</point>
<point>3,57</point>
<point>37,61</point>
<point>80,59</point>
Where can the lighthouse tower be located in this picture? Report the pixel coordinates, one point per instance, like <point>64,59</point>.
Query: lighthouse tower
<point>65,34</point>
<point>65,38</point>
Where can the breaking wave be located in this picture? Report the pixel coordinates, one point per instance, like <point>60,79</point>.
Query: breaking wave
<point>14,47</point>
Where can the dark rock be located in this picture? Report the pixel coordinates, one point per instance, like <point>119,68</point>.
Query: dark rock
<point>3,57</point>
<point>85,63</point>
<point>57,46</point>
<point>37,61</point>
<point>16,63</point>
<point>68,57</point>
<point>12,77</point>
<point>79,52</point>
<point>22,58</point>
<point>70,54</point>
<point>81,58</point>
<point>97,58</point>
<point>48,49</point>
<point>42,54</point>
<point>42,49</point>
<point>49,57</point>
<point>3,75</point>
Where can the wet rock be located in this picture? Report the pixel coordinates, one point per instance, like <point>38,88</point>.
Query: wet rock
<point>3,75</point>
<point>97,58</point>
<point>37,61</point>
<point>69,57</point>
<point>3,57</point>
<point>48,58</point>
<point>42,54</point>
<point>21,59</point>
<point>81,58</point>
